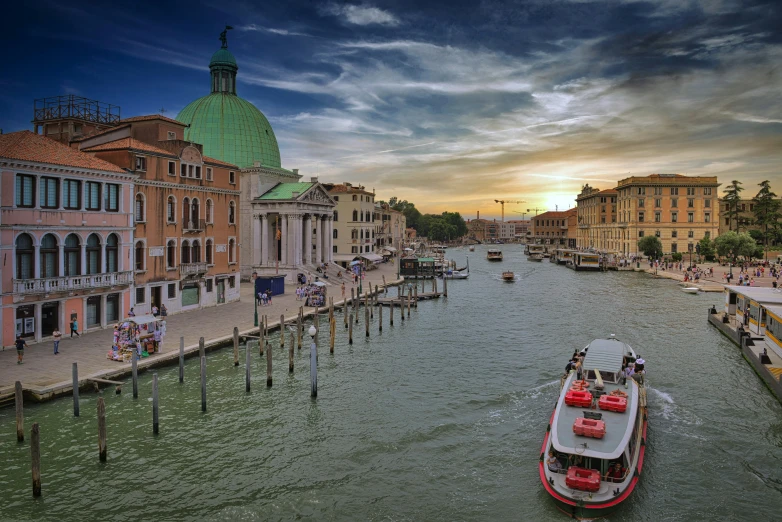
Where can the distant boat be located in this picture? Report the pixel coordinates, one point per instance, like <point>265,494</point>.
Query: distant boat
<point>472,248</point>
<point>494,255</point>
<point>691,290</point>
<point>535,257</point>
<point>508,276</point>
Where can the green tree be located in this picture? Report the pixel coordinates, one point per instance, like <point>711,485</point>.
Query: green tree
<point>412,214</point>
<point>441,230</point>
<point>707,248</point>
<point>651,246</point>
<point>456,220</point>
<point>676,257</point>
<point>766,213</point>
<point>732,199</point>
<point>732,245</point>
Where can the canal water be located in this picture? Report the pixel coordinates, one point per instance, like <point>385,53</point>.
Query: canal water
<point>440,417</point>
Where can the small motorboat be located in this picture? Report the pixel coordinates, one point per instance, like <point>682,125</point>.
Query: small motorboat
<point>508,276</point>
<point>494,255</point>
<point>472,248</point>
<point>691,290</point>
<point>535,257</point>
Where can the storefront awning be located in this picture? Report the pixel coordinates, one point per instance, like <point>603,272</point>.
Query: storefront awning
<point>142,319</point>
<point>343,257</point>
<point>369,256</point>
<point>390,249</point>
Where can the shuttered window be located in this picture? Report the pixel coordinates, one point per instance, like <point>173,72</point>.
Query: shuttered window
<point>48,193</point>
<point>71,196</point>
<point>92,195</point>
<point>111,198</point>
<point>25,190</point>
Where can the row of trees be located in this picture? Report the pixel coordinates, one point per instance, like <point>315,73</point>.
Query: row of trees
<point>765,209</point>
<point>439,227</point>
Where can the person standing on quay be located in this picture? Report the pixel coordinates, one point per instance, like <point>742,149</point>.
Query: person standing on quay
<point>343,290</point>
<point>75,328</point>
<point>56,336</point>
<point>20,344</point>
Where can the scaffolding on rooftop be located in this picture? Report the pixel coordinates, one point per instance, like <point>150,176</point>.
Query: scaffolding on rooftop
<point>75,107</point>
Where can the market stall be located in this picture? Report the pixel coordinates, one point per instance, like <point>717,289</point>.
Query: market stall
<point>143,334</point>
<point>316,294</point>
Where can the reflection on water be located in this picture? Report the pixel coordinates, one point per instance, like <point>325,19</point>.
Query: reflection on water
<point>438,418</point>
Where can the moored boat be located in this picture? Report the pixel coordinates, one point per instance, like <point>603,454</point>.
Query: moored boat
<point>494,255</point>
<point>535,257</point>
<point>691,290</point>
<point>508,276</point>
<point>593,451</point>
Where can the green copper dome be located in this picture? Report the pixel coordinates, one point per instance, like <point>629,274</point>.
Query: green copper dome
<point>223,57</point>
<point>231,129</point>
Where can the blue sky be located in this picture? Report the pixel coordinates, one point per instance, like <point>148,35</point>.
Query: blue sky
<point>447,104</point>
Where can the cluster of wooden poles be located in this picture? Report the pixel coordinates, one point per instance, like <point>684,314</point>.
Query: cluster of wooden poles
<point>350,309</point>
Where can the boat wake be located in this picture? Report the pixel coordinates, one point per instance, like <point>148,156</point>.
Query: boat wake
<point>663,404</point>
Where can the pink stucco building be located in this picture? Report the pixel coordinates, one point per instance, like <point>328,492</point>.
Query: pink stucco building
<point>66,232</point>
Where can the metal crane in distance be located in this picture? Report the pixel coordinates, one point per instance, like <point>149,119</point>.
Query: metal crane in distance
<point>536,210</point>
<point>502,203</point>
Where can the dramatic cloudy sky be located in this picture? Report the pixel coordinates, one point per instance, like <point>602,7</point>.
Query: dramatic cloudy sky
<point>448,104</point>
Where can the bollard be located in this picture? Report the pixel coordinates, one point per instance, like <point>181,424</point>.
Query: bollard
<point>201,348</point>
<point>290,355</point>
<point>19,400</point>
<point>134,372</point>
<point>332,334</point>
<point>155,409</point>
<point>247,359</point>
<point>282,331</point>
<point>350,330</point>
<point>203,382</point>
<point>35,453</point>
<point>366,320</point>
<point>380,318</point>
<point>181,359</point>
<point>75,373</point>
<point>236,346</point>
<point>269,365</point>
<point>101,430</point>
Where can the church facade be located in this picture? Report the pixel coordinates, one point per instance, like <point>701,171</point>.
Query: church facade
<point>286,224</point>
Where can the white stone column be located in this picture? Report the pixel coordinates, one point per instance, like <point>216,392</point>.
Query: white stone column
<point>103,310</point>
<point>291,242</point>
<point>84,259</point>
<point>318,239</point>
<point>297,233</point>
<point>284,240</point>
<point>256,240</point>
<point>36,261</point>
<point>61,260</point>
<point>330,250</point>
<point>38,321</point>
<point>264,239</point>
<point>103,264</point>
<point>324,240</point>
<point>307,230</point>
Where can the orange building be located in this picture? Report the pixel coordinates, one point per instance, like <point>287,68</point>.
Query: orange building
<point>596,211</point>
<point>555,228</point>
<point>66,230</point>
<point>185,252</point>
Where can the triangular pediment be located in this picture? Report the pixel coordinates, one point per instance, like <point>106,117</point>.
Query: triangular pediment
<point>316,194</point>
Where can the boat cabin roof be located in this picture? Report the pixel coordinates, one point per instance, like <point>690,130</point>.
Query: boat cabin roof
<point>760,295</point>
<point>606,355</point>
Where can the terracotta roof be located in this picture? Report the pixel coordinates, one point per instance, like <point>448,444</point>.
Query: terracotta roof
<point>556,214</point>
<point>99,132</point>
<point>342,188</point>
<point>150,117</point>
<point>28,146</point>
<point>214,161</point>
<point>129,143</point>
<point>608,191</point>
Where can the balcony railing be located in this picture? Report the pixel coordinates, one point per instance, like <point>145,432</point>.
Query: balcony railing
<point>50,285</point>
<point>186,269</point>
<point>194,226</point>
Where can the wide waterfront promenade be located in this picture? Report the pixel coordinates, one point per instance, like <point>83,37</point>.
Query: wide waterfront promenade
<point>46,374</point>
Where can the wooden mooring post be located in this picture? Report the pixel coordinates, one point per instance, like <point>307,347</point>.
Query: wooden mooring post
<point>299,326</point>
<point>201,347</point>
<point>75,375</point>
<point>203,383</point>
<point>391,312</point>
<point>247,363</point>
<point>181,359</point>
<point>19,402</point>
<point>332,334</point>
<point>366,320</point>
<point>416,294</point>
<point>380,318</point>
<point>102,447</point>
<point>409,300</point>
<point>402,306</point>
<point>314,367</point>
<point>236,346</point>
<point>282,331</point>
<point>385,286</point>
<point>445,287</point>
<point>269,363</point>
<point>155,406</point>
<point>134,372</point>
<point>350,330</point>
<point>35,454</point>
<point>346,312</point>
<point>290,354</point>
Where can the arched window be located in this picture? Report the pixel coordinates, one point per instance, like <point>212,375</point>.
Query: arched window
<point>185,255</point>
<point>171,210</point>
<point>194,212</point>
<point>49,265</point>
<point>196,251</point>
<point>72,255</point>
<point>361,234</point>
<point>355,215</point>
<point>231,249</point>
<point>171,253</point>
<point>209,252</point>
<point>231,213</point>
<point>140,208</point>
<point>185,212</point>
<point>139,255</point>
<point>354,234</point>
<point>93,254</point>
<point>112,253</point>
<point>209,211</point>
<point>24,257</point>
<point>335,233</point>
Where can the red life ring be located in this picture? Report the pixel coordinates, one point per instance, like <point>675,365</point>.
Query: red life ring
<point>618,393</point>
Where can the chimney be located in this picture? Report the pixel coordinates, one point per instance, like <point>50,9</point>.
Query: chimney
<point>479,215</point>
<point>314,179</point>
<point>295,171</point>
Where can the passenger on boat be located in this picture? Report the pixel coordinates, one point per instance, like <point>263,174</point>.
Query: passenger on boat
<point>553,462</point>
<point>571,365</point>
<point>578,460</point>
<point>616,473</point>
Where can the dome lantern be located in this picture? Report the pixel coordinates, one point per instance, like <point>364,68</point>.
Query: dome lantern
<point>223,67</point>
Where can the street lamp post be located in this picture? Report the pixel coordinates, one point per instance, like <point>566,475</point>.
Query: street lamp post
<point>313,362</point>
<point>255,298</point>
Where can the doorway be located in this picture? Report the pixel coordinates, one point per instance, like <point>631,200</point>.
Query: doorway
<point>50,318</point>
<point>220,291</point>
<point>157,297</point>
<point>93,312</point>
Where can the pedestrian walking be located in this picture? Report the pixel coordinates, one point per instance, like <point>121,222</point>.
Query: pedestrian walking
<point>56,336</point>
<point>131,313</point>
<point>155,311</point>
<point>75,327</point>
<point>20,344</point>
<point>163,311</point>
<point>343,290</point>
